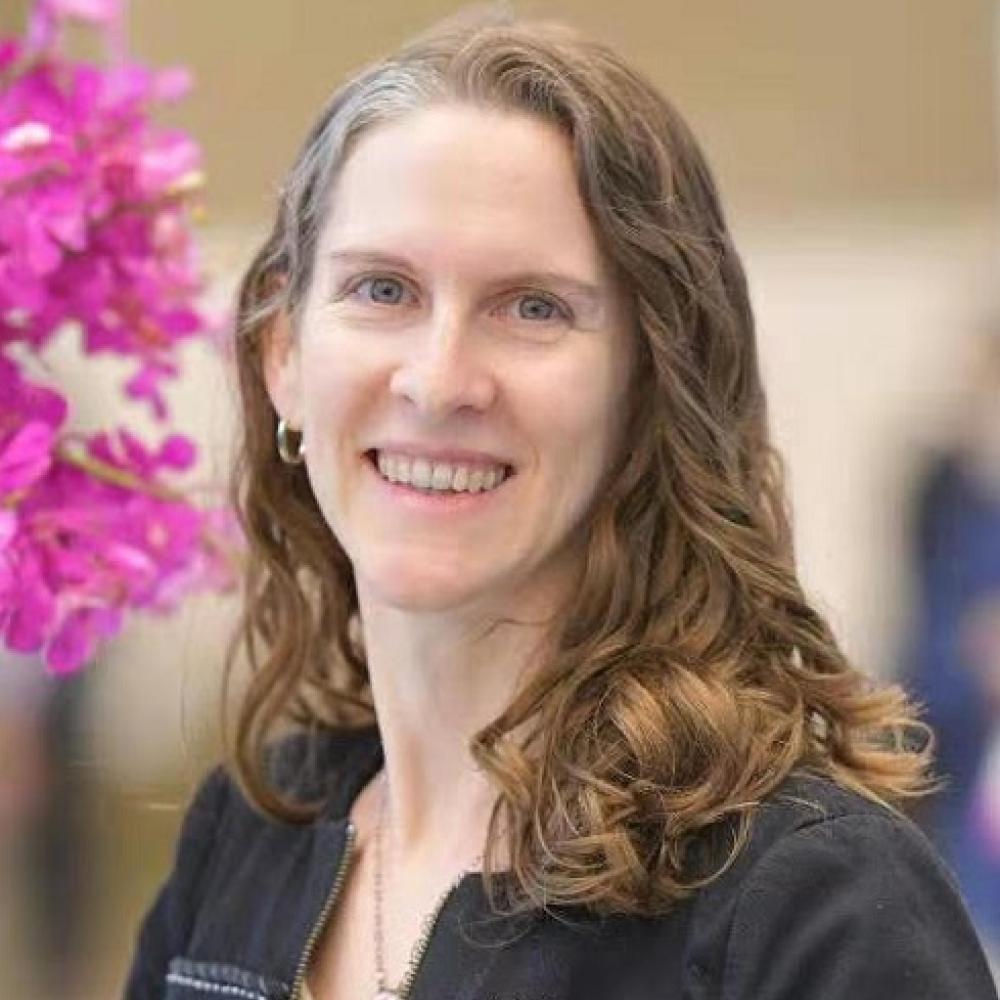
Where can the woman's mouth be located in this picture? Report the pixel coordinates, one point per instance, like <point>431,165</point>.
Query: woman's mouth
<point>427,476</point>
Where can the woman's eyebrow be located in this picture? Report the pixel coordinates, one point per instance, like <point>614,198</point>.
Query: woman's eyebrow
<point>369,258</point>
<point>577,287</point>
<point>590,293</point>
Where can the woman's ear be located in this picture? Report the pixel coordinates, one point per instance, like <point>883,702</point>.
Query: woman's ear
<point>280,357</point>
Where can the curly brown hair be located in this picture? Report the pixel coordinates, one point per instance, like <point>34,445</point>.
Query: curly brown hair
<point>689,675</point>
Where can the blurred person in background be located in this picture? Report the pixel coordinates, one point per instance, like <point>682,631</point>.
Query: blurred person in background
<point>953,657</point>
<point>46,839</point>
<point>521,580</point>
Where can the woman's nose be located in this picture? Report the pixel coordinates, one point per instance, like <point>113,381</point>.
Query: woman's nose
<point>443,369</point>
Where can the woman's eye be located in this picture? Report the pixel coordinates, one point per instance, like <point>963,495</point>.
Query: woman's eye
<point>380,290</point>
<point>539,308</point>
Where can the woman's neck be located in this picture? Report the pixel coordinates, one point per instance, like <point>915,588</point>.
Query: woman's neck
<point>437,679</point>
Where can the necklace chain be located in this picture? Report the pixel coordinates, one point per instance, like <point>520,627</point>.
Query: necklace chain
<point>382,990</point>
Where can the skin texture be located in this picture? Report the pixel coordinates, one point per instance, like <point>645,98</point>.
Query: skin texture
<point>424,323</point>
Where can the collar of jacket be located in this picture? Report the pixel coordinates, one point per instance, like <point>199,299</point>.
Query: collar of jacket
<point>267,884</point>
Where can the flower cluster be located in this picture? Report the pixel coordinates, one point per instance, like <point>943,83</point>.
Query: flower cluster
<point>95,209</point>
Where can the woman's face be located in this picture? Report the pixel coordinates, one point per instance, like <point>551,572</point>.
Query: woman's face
<point>461,332</point>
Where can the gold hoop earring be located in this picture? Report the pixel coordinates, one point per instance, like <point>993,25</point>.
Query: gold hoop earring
<point>291,453</point>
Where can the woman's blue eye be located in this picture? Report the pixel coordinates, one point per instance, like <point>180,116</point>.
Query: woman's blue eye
<point>536,307</point>
<point>382,291</point>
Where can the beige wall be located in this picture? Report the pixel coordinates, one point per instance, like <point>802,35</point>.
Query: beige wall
<point>886,104</point>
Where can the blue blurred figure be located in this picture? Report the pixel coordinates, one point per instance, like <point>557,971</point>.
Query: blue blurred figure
<point>954,655</point>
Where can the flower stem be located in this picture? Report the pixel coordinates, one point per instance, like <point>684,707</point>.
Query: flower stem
<point>108,473</point>
<point>112,474</point>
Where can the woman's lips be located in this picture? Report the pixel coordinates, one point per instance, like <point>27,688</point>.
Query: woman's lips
<point>416,498</point>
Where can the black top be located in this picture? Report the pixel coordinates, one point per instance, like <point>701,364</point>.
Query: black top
<point>832,898</point>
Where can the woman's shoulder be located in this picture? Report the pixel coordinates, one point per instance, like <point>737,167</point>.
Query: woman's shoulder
<point>325,766</point>
<point>834,887</point>
<point>229,850</point>
<point>808,805</point>
<point>810,823</point>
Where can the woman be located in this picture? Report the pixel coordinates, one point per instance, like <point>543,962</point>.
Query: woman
<point>521,581</point>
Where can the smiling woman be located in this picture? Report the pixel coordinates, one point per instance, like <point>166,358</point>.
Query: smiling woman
<point>521,582</point>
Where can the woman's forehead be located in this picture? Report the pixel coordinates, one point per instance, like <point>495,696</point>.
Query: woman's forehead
<point>465,180</point>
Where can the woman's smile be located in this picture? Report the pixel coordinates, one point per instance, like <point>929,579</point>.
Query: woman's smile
<point>421,486</point>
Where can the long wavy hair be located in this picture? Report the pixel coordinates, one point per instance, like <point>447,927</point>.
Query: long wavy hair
<point>688,675</point>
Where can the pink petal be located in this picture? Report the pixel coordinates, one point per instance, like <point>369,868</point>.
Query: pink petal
<point>42,27</point>
<point>98,11</point>
<point>177,452</point>
<point>8,528</point>
<point>173,84</point>
<point>29,618</point>
<point>76,640</point>
<point>26,457</point>
<point>10,50</point>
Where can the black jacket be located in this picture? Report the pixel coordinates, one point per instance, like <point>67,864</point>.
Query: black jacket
<point>833,898</point>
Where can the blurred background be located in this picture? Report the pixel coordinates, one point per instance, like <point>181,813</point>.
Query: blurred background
<point>856,147</point>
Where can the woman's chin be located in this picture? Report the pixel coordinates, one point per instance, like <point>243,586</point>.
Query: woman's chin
<point>423,600</point>
<point>424,590</point>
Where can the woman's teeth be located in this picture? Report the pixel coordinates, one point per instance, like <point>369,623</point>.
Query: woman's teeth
<point>459,478</point>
